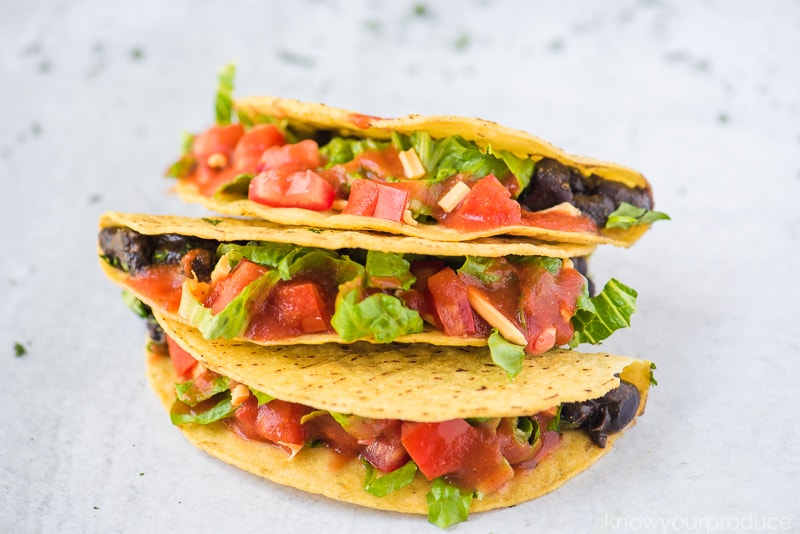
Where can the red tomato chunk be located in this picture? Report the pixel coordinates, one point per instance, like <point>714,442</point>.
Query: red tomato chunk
<point>285,189</point>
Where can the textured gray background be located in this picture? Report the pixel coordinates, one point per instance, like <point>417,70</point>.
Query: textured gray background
<point>703,97</point>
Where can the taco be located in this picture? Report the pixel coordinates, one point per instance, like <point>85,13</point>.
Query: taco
<point>395,427</point>
<point>270,285</point>
<point>441,178</point>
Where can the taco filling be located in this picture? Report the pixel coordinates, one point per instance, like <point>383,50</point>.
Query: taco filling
<point>278,293</point>
<point>401,179</point>
<point>461,459</point>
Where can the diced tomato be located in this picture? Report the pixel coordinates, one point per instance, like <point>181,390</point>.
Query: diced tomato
<point>549,303</point>
<point>488,205</point>
<point>226,289</point>
<point>324,428</point>
<point>160,284</point>
<point>183,362</point>
<point>293,157</point>
<point>555,220</point>
<point>438,448</point>
<point>243,420</point>
<point>252,145</point>
<point>279,421</point>
<point>216,140</point>
<point>468,455</point>
<point>373,199</point>
<point>363,198</point>
<point>570,285</point>
<point>386,453</point>
<point>300,307</point>
<point>281,189</point>
<point>451,304</point>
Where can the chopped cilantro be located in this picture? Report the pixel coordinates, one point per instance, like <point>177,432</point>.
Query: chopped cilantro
<point>461,42</point>
<point>212,222</point>
<point>19,349</point>
<point>653,380</point>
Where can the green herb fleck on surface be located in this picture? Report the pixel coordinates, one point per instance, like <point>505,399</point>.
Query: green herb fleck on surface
<point>420,10</point>
<point>213,222</point>
<point>297,59</point>
<point>461,42</point>
<point>315,230</point>
<point>137,54</point>
<point>19,349</point>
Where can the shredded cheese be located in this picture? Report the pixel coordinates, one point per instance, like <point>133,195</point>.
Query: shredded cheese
<point>567,264</point>
<point>564,208</point>
<point>494,317</point>
<point>412,166</point>
<point>453,198</point>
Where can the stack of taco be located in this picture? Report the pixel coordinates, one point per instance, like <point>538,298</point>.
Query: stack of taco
<point>383,311</point>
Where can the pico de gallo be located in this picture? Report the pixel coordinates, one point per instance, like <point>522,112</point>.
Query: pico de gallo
<point>273,293</point>
<point>463,459</point>
<point>410,179</point>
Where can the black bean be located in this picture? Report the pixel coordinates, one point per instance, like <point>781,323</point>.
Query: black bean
<point>603,416</point>
<point>596,207</point>
<point>550,185</point>
<point>128,249</point>
<point>619,192</point>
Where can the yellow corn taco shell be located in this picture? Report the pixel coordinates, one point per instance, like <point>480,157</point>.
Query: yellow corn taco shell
<point>310,117</point>
<point>232,229</point>
<point>410,383</point>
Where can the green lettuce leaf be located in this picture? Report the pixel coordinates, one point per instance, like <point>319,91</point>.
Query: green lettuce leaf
<point>598,317</point>
<point>383,317</point>
<point>239,186</point>
<point>344,149</point>
<point>193,392</point>
<point>186,163</point>
<point>261,397</point>
<point>628,215</point>
<point>390,482</point>
<point>221,410</point>
<point>446,505</point>
<point>505,354</point>
<point>137,306</point>
<point>233,319</point>
<point>289,259</point>
<point>385,269</point>
<point>480,268</point>
<point>552,265</point>
<point>521,168</point>
<point>224,102</point>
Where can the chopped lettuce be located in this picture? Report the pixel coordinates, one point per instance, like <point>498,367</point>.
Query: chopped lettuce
<point>224,102</point>
<point>239,186</point>
<point>505,354</point>
<point>628,215</point>
<point>289,259</point>
<point>598,317</point>
<point>480,268</point>
<point>385,269</point>
<point>380,316</point>
<point>195,391</point>
<point>552,265</point>
<point>390,482</point>
<point>261,397</point>
<point>521,168</point>
<point>185,164</point>
<point>137,306</point>
<point>446,504</point>
<point>344,149</point>
<point>221,410</point>
<point>232,320</point>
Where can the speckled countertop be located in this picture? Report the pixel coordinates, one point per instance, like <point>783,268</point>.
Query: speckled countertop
<point>703,97</point>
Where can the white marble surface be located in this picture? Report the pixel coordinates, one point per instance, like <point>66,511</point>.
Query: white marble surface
<point>703,97</point>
